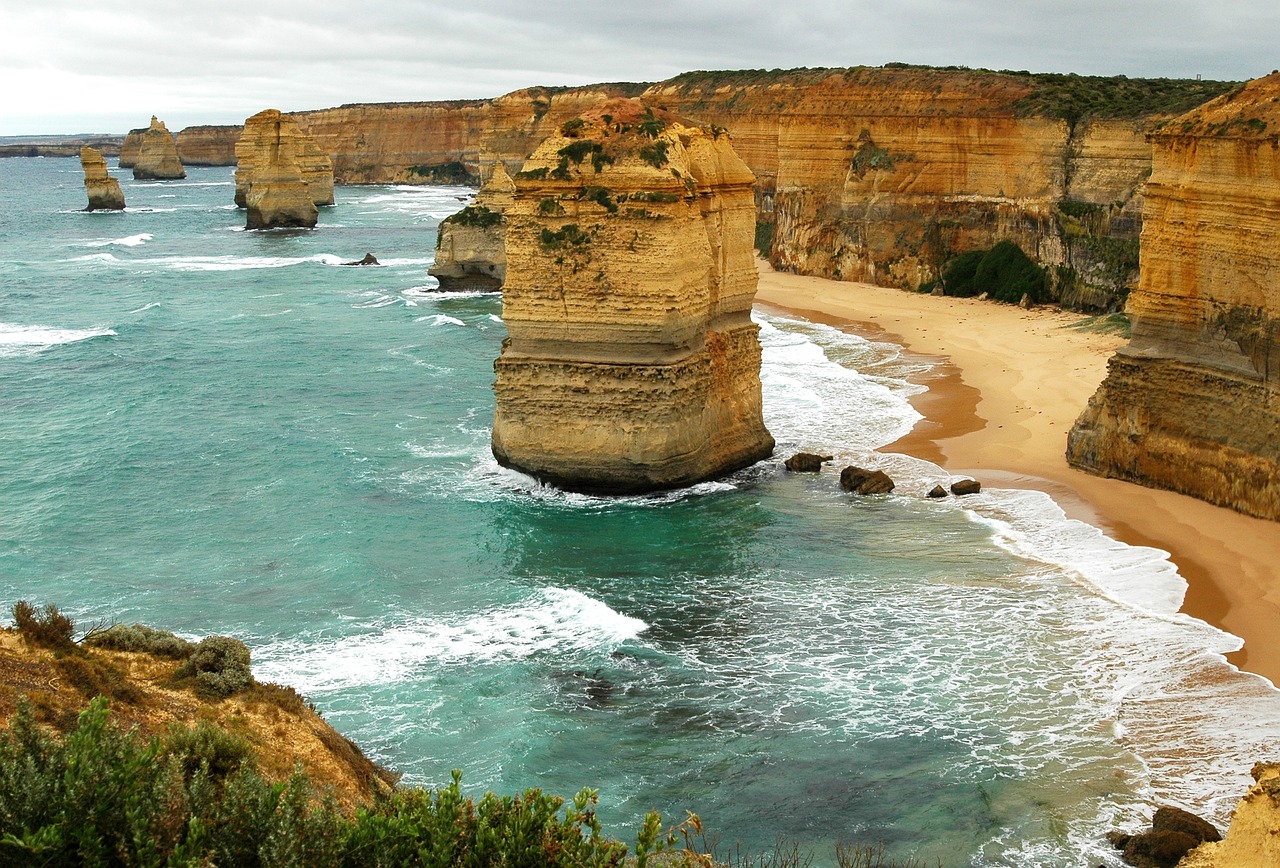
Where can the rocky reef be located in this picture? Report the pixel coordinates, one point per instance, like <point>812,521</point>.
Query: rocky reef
<point>280,135</point>
<point>104,191</point>
<point>269,175</point>
<point>1192,403</point>
<point>1254,836</point>
<point>208,145</point>
<point>632,362</point>
<point>157,155</point>
<point>471,254</point>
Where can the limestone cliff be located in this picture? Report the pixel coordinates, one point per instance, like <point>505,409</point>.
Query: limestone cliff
<point>271,155</point>
<point>632,362</point>
<point>129,148</point>
<point>471,254</point>
<point>104,191</point>
<point>208,145</point>
<point>278,136</point>
<point>157,157</point>
<point>1253,841</point>
<point>1192,404</point>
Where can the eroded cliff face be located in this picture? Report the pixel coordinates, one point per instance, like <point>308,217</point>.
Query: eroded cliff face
<point>103,190</point>
<point>129,148</point>
<point>269,175</point>
<point>632,362</point>
<point>471,252</point>
<point>1192,404</point>
<point>208,145</point>
<point>157,157</point>
<point>270,129</point>
<point>1253,840</point>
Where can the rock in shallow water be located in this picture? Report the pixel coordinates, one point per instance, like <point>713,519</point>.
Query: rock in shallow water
<point>806,462</point>
<point>861,481</point>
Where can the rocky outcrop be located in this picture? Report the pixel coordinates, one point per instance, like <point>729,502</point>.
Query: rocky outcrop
<point>1192,403</point>
<point>806,462</point>
<point>862,481</point>
<point>471,254</point>
<point>313,166</point>
<point>632,362</point>
<point>1254,835</point>
<point>157,156</point>
<point>104,191</point>
<point>129,148</point>
<point>269,179</point>
<point>208,145</point>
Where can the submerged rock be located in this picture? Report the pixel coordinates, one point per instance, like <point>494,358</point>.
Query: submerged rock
<point>806,462</point>
<point>862,481</point>
<point>632,362</point>
<point>104,191</point>
<point>157,157</point>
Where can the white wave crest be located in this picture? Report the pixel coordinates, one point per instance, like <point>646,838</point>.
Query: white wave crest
<point>550,621</point>
<point>440,319</point>
<point>21,339</point>
<point>127,241</point>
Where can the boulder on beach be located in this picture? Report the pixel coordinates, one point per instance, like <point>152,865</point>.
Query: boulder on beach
<point>862,481</point>
<point>966,486</point>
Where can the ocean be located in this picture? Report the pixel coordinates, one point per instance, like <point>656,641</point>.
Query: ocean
<point>216,431</point>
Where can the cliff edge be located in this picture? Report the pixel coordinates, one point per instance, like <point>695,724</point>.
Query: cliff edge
<point>1192,404</point>
<point>632,362</point>
<point>471,253</point>
<point>1253,841</point>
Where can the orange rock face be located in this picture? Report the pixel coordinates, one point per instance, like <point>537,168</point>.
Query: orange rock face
<point>632,362</point>
<point>157,156</point>
<point>278,137</point>
<point>208,145</point>
<point>471,251</point>
<point>103,190</point>
<point>1192,404</point>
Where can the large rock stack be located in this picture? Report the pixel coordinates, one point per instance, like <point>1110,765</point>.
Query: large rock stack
<point>269,174</point>
<point>632,362</point>
<point>471,253</point>
<point>314,167</point>
<point>1192,404</point>
<point>104,191</point>
<point>157,156</point>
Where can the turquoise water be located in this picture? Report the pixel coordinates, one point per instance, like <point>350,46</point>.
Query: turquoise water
<point>217,431</point>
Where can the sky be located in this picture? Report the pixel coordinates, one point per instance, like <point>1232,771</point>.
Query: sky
<point>69,67</point>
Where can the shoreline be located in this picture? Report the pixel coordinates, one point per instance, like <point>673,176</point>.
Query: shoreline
<point>1006,386</point>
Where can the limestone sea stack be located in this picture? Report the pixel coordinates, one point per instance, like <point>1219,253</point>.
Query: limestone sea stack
<point>104,191</point>
<point>1192,403</point>
<point>314,166</point>
<point>157,158</point>
<point>632,363</point>
<point>471,254</point>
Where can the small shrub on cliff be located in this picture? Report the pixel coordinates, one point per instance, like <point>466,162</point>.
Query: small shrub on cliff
<point>47,628</point>
<point>219,665</point>
<point>476,215</point>
<point>140,638</point>
<point>573,128</point>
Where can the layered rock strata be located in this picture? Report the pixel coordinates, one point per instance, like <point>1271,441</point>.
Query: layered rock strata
<point>313,165</point>
<point>208,145</point>
<point>632,362</point>
<point>471,253</point>
<point>157,157</point>
<point>130,146</point>
<point>1192,403</point>
<point>269,179</point>
<point>103,190</point>
<point>1254,836</point>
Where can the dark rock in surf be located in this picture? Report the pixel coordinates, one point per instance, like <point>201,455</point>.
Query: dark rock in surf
<point>806,462</point>
<point>966,486</point>
<point>937,491</point>
<point>861,481</point>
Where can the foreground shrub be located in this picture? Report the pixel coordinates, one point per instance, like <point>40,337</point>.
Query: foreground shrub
<point>219,665</point>
<point>1004,272</point>
<point>47,628</point>
<point>138,637</point>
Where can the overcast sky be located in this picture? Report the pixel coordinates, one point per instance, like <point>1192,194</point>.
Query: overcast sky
<point>68,66</point>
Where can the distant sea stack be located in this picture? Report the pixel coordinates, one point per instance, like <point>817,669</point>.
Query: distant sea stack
<point>269,176</point>
<point>632,362</point>
<point>104,191</point>
<point>471,253</point>
<point>1192,403</point>
<point>157,157</point>
<point>271,125</point>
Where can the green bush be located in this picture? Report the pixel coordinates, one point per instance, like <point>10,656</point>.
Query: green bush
<point>475,215</point>
<point>219,665</point>
<point>655,155</point>
<point>138,637</point>
<point>1004,272</point>
<point>47,628</point>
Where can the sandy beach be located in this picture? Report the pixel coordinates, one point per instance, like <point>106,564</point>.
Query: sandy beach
<point>1007,387</point>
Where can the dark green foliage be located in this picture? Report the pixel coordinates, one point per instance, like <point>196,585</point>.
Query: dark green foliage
<point>454,173</point>
<point>600,159</point>
<point>47,628</point>
<point>568,235</point>
<point>1117,259</point>
<point>578,151</point>
<point>219,665</point>
<point>573,128</point>
<point>651,125</point>
<point>655,155</point>
<point>1080,210</point>
<point>538,174</point>
<point>550,207</point>
<point>600,195</point>
<point>764,237</point>
<point>1075,97</point>
<point>869,157</point>
<point>138,637</point>
<point>102,797</point>
<point>656,197</point>
<point>1004,272</point>
<point>475,215</point>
